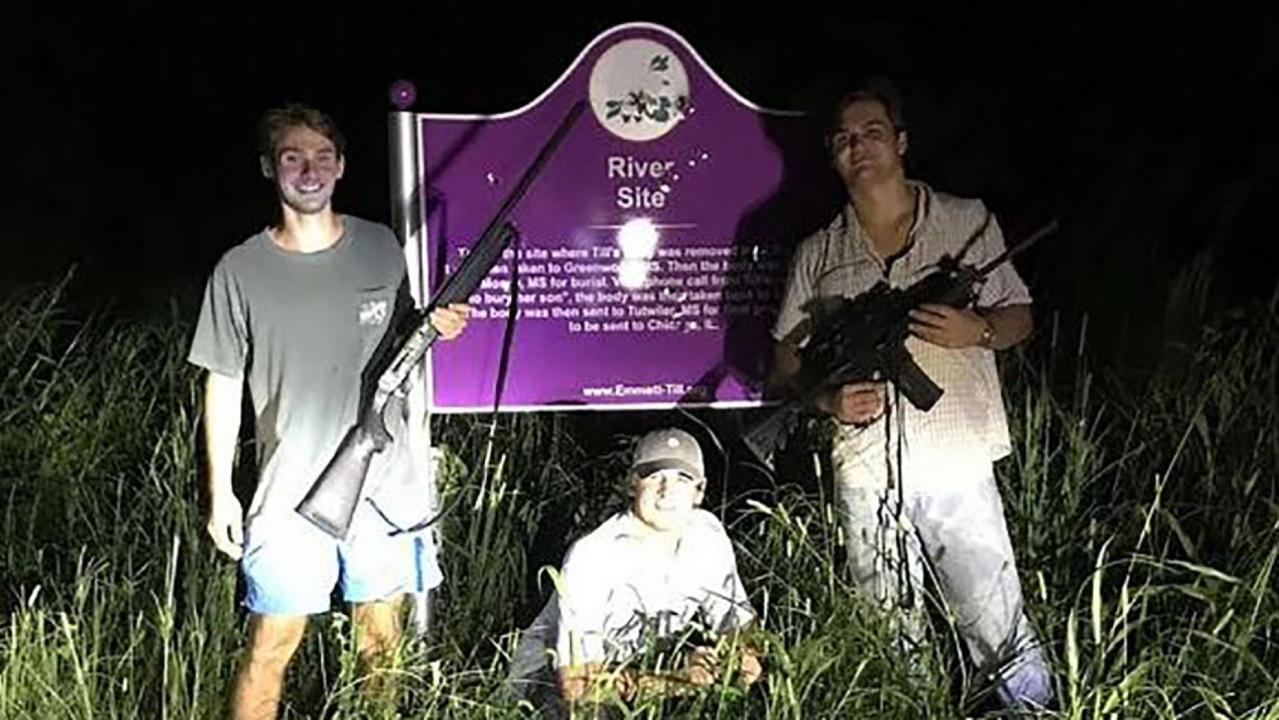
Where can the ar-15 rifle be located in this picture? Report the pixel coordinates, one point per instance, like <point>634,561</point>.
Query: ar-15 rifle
<point>331,501</point>
<point>865,339</point>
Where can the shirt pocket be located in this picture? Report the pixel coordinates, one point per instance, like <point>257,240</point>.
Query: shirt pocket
<point>374,309</point>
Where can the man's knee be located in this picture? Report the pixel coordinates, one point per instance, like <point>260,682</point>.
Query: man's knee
<point>378,627</point>
<point>273,639</point>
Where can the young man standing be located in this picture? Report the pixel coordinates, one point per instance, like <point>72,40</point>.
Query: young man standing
<point>295,312</point>
<point>649,573</point>
<point>910,482</point>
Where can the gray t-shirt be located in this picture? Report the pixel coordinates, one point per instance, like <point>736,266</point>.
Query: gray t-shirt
<point>300,327</point>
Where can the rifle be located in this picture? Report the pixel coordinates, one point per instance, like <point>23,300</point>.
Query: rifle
<point>331,501</point>
<point>864,338</point>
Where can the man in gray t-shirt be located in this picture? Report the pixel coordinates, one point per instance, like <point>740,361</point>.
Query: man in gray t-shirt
<point>296,312</point>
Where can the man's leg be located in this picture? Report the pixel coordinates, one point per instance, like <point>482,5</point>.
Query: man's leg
<point>378,567</point>
<point>883,551</point>
<point>378,627</point>
<point>530,675</point>
<point>966,537</point>
<point>884,555</point>
<point>289,569</point>
<point>272,641</point>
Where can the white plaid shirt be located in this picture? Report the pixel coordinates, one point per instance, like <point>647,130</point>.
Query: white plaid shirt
<point>967,427</point>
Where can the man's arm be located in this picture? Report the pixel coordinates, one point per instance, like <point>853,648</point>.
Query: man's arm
<point>705,663</point>
<point>576,680</point>
<point>223,396</point>
<point>955,328</point>
<point>785,366</point>
<point>854,404</point>
<point>450,321</point>
<point>704,668</point>
<point>1009,325</point>
<point>857,403</point>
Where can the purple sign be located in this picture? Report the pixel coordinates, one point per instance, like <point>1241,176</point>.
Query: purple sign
<point>652,248</point>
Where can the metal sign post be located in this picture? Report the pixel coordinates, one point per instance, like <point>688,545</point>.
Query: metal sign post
<point>406,220</point>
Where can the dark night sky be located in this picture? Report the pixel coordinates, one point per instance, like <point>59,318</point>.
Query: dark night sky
<point>1151,139</point>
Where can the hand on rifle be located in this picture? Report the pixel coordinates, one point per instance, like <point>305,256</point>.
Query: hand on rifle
<point>226,525</point>
<point>702,669</point>
<point>947,326</point>
<point>855,404</point>
<point>450,321</point>
<point>705,666</point>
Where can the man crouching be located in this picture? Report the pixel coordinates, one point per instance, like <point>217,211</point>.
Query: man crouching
<point>661,570</point>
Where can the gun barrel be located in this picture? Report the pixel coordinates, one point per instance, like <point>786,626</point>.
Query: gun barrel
<point>543,155</point>
<point>1015,250</point>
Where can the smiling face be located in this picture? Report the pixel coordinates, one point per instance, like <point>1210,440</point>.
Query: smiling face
<point>306,167</point>
<point>666,499</point>
<point>866,147</point>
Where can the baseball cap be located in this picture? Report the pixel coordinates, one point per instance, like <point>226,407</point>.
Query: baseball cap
<point>667,449</point>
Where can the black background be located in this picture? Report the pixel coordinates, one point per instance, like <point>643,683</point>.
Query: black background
<point>131,154</point>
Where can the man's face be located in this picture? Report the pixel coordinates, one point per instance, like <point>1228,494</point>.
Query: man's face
<point>666,499</point>
<point>306,168</point>
<point>866,147</point>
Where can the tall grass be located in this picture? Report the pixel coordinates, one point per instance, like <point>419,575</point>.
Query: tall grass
<point>1147,532</point>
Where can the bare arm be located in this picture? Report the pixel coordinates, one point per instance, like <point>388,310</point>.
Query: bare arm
<point>450,321</point>
<point>1011,324</point>
<point>705,664</point>
<point>575,680</point>
<point>955,328</point>
<point>703,669</point>
<point>856,403</point>
<point>785,366</point>
<point>222,398</point>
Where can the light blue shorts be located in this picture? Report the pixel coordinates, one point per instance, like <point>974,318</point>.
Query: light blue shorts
<point>290,566</point>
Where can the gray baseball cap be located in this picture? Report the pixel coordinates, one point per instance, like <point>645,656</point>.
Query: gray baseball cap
<point>668,449</point>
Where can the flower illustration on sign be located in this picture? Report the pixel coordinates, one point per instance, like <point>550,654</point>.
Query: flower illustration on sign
<point>639,90</point>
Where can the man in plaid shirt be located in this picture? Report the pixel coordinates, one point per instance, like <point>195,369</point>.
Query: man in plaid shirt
<point>916,485</point>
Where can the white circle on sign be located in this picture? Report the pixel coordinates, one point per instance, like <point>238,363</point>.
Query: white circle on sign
<point>639,90</point>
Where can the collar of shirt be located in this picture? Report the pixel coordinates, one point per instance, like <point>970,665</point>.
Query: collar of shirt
<point>633,530</point>
<point>849,227</point>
